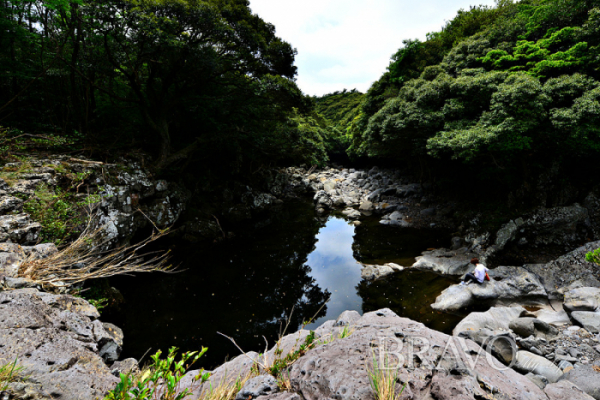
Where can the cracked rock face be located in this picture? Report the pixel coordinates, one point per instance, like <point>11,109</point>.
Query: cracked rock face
<point>57,340</point>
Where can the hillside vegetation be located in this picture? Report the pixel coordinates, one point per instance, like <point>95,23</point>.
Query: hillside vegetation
<point>202,85</point>
<point>504,92</point>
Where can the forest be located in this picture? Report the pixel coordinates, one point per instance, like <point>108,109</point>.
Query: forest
<point>498,95</point>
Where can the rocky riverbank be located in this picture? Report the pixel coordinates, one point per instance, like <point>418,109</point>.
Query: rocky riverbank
<point>539,322</point>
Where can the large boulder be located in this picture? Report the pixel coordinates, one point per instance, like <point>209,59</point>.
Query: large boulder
<point>496,318</point>
<point>528,326</point>
<point>587,378</point>
<point>529,362</point>
<point>446,262</point>
<point>509,286</point>
<point>432,364</point>
<point>566,270</point>
<point>374,272</point>
<point>588,320</point>
<point>582,299</point>
<point>565,390</point>
<point>57,341</point>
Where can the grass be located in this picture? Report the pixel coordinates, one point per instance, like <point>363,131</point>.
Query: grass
<point>8,374</point>
<point>383,378</point>
<point>226,389</point>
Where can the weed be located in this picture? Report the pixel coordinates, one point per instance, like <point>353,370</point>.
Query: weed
<point>226,389</point>
<point>383,378</point>
<point>161,380</point>
<point>281,364</point>
<point>8,374</point>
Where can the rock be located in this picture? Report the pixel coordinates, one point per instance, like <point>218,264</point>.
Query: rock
<point>110,342</point>
<point>18,283</point>
<point>496,318</point>
<point>528,326</point>
<point>582,299</point>
<point>351,213</point>
<point>539,380</point>
<point>10,204</point>
<point>346,318</point>
<point>446,262</point>
<point>322,199</point>
<point>565,390</point>
<point>9,264</point>
<point>126,366</point>
<point>556,318</point>
<point>374,196</point>
<point>507,233</point>
<point>20,228</point>
<point>567,269</point>
<point>428,211</point>
<point>588,320</point>
<point>329,187</point>
<point>374,272</point>
<point>366,206</point>
<point>529,362</point>
<point>509,286</point>
<point>261,385</point>
<point>585,377</point>
<point>396,216</point>
<point>339,370</point>
<point>457,243</point>
<point>55,341</point>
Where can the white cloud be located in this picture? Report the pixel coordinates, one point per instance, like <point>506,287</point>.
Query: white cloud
<point>348,43</point>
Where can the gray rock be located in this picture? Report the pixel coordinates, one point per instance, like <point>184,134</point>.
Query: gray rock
<point>529,362</point>
<point>10,204</point>
<point>366,206</point>
<point>10,263</point>
<point>374,272</point>
<point>582,299</point>
<point>496,318</point>
<point>588,320</point>
<point>346,318</point>
<point>457,243</point>
<point>565,390</point>
<point>528,326</point>
<point>567,269</point>
<point>339,369</point>
<point>507,233</point>
<point>586,378</point>
<point>54,340</point>
<point>509,286</point>
<point>352,213</point>
<point>446,262</point>
<point>261,385</point>
<point>110,342</point>
<point>374,196</point>
<point>126,366</point>
<point>539,380</point>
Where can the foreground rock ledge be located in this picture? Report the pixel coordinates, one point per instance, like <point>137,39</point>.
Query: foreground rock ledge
<point>431,370</point>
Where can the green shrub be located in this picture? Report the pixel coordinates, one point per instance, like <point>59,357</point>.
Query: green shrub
<point>161,380</point>
<point>593,256</point>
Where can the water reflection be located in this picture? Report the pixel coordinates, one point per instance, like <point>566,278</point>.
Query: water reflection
<point>335,269</point>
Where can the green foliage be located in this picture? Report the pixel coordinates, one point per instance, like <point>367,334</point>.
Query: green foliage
<point>593,256</point>
<point>281,364</point>
<point>161,380</point>
<point>383,377</point>
<point>510,96</point>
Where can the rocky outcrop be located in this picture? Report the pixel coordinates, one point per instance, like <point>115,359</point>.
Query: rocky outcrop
<point>60,343</point>
<point>509,286</point>
<point>446,262</point>
<point>432,364</point>
<point>374,272</point>
<point>569,269</point>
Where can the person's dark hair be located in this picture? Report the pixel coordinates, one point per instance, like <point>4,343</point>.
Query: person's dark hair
<point>474,260</point>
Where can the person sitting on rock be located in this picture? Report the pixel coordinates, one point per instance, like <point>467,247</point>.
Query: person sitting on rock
<point>478,275</point>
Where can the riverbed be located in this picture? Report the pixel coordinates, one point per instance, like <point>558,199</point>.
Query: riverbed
<point>296,266</point>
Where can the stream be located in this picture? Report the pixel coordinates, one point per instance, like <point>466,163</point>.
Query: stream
<point>247,287</point>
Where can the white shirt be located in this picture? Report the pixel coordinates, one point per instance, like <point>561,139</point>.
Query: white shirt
<point>479,272</point>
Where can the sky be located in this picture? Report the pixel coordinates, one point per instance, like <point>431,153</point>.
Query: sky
<point>347,44</point>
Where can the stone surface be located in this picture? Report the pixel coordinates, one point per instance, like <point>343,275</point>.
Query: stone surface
<point>582,299</point>
<point>529,362</point>
<point>509,286</point>
<point>565,390</point>
<point>446,262</point>
<point>258,386</point>
<point>587,378</point>
<point>528,326</point>
<point>496,318</point>
<point>56,342</point>
<point>374,272</point>
<point>567,269</point>
<point>588,320</point>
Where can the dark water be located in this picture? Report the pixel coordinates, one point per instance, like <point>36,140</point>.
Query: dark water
<point>247,287</point>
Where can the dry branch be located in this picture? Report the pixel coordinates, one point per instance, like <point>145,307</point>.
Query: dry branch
<point>85,259</point>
